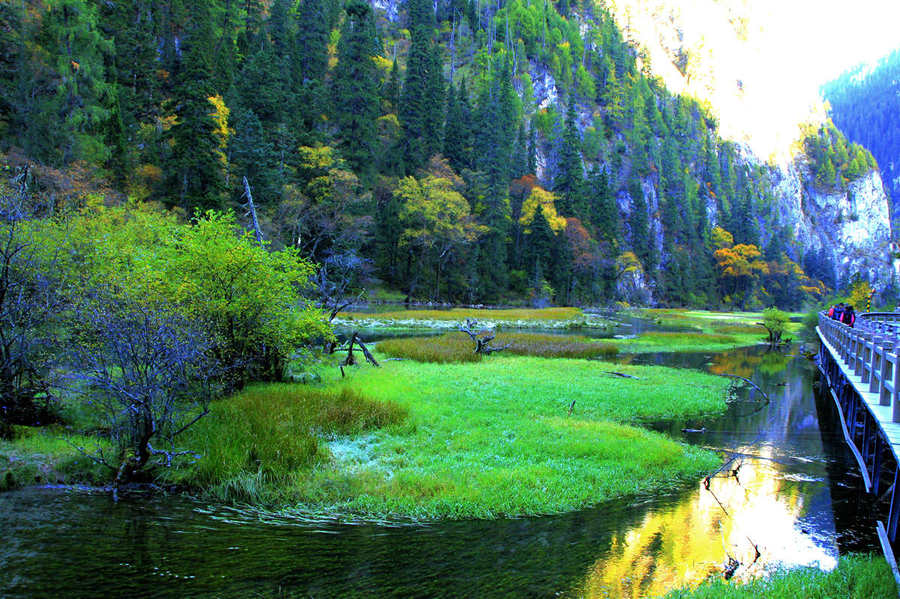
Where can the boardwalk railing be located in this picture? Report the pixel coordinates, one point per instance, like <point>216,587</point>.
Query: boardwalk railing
<point>861,370</point>
<point>870,348</point>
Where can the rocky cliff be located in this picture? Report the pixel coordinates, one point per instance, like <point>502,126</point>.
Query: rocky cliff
<point>852,226</point>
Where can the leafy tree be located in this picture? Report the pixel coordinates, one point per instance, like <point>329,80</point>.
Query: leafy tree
<point>436,219</point>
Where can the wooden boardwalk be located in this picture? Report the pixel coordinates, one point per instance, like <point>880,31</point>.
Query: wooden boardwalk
<point>861,369</point>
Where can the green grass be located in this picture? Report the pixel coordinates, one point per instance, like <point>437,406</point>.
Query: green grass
<point>700,331</point>
<point>856,577</point>
<point>684,342</point>
<point>269,432</point>
<point>480,441</point>
<point>458,347</point>
<point>37,457</point>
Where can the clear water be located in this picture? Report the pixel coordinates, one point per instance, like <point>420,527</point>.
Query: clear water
<point>795,497</point>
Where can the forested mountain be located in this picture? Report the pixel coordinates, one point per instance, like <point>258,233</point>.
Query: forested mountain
<point>455,150</point>
<point>864,104</point>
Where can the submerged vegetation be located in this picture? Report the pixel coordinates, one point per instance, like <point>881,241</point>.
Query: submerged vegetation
<point>856,577</point>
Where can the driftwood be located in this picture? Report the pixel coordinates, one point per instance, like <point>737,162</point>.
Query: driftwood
<point>694,430</point>
<point>482,342</point>
<point>749,382</point>
<point>621,374</point>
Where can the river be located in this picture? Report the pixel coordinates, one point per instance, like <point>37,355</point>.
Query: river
<point>793,494</point>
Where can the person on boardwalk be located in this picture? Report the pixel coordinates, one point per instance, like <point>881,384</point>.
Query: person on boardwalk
<point>837,311</point>
<point>849,316</point>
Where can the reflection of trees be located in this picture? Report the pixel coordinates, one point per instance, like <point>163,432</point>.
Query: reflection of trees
<point>687,543</point>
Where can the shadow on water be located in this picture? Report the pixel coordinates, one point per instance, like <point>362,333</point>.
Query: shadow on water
<point>791,492</point>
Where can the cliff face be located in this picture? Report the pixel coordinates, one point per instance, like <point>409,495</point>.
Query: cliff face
<point>852,227</point>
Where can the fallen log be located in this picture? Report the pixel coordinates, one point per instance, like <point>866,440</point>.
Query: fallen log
<point>749,382</point>
<point>621,374</point>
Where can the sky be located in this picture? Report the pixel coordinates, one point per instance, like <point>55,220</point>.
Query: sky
<point>760,63</point>
<point>803,44</point>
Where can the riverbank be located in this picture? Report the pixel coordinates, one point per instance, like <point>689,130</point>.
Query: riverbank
<point>856,577</point>
<point>510,436</point>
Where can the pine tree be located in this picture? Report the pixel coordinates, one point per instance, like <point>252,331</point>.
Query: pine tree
<point>569,183</point>
<point>69,123</point>
<point>355,89</point>
<point>458,129</point>
<point>311,65</point>
<point>197,165</point>
<point>253,157</point>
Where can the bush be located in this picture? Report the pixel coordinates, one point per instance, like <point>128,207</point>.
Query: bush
<point>775,322</point>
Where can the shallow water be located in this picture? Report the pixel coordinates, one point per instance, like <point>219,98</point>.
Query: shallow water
<point>795,497</point>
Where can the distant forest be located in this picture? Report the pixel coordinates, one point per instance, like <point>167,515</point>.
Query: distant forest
<point>508,152</point>
<point>864,104</point>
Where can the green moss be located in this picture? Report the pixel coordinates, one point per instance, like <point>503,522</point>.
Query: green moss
<point>856,577</point>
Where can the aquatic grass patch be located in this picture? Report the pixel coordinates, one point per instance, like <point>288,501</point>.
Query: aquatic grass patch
<point>656,341</point>
<point>263,436</point>
<point>458,347</point>
<point>555,346</point>
<point>461,314</point>
<point>856,577</point>
<point>443,349</point>
<point>496,438</point>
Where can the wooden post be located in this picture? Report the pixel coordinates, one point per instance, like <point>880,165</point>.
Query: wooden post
<point>894,393</point>
<point>887,368</point>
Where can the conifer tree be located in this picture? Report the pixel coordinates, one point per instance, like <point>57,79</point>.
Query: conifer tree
<point>67,121</point>
<point>458,129</point>
<point>253,157</point>
<point>196,167</point>
<point>310,64</point>
<point>569,183</point>
<point>355,89</point>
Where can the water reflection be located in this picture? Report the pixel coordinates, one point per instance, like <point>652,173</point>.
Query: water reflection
<point>795,497</point>
<point>761,508</point>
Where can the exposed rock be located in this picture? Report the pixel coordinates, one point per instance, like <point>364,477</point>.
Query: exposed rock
<point>852,225</point>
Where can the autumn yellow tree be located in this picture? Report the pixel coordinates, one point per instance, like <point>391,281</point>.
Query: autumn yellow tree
<point>740,267</point>
<point>436,220</point>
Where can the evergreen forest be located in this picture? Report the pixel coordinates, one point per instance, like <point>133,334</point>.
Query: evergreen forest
<point>514,152</point>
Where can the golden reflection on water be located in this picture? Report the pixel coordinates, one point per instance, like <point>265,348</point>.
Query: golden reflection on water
<point>682,545</point>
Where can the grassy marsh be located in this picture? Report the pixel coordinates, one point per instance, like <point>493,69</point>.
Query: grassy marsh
<point>856,577</point>
<point>697,330</point>
<point>457,347</point>
<point>480,441</point>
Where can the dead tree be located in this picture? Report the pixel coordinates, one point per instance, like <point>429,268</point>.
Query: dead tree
<point>350,360</point>
<point>251,211</point>
<point>482,339</point>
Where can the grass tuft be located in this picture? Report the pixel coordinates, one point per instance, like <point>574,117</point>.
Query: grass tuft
<point>856,577</point>
<point>265,434</point>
